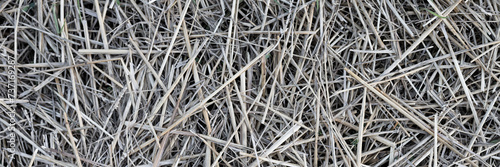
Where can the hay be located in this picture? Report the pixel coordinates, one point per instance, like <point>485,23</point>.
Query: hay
<point>249,83</point>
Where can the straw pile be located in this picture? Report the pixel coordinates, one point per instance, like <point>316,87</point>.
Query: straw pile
<point>250,83</point>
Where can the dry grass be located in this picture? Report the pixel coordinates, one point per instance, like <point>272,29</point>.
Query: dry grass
<point>250,83</point>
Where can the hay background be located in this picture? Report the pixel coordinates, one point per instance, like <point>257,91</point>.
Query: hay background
<point>219,83</point>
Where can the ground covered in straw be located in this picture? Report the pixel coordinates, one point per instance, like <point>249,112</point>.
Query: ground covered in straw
<point>249,83</point>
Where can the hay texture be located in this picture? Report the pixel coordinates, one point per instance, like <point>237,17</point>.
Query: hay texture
<point>249,83</point>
